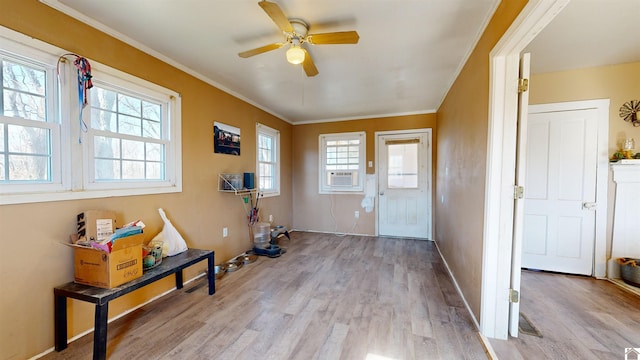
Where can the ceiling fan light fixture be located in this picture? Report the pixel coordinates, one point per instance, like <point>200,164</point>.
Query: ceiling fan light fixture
<point>295,55</point>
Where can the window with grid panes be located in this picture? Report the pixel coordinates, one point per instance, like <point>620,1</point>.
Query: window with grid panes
<point>342,158</point>
<point>125,141</point>
<point>268,167</point>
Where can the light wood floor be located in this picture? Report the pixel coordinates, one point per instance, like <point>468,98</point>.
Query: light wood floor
<point>328,297</point>
<point>579,318</point>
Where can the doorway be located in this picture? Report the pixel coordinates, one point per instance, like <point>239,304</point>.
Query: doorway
<point>404,183</point>
<point>499,237</point>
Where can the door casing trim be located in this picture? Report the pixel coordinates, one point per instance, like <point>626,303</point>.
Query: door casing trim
<point>500,171</point>
<point>429,133</point>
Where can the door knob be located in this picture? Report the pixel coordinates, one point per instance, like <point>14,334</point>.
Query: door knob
<point>381,193</point>
<point>589,205</point>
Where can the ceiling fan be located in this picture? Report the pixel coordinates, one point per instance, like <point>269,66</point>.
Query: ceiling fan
<point>296,34</point>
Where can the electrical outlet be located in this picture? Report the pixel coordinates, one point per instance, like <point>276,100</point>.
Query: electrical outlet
<point>270,218</point>
<point>356,214</point>
<point>225,232</point>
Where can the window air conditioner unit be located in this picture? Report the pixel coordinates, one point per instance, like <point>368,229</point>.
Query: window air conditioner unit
<point>342,178</point>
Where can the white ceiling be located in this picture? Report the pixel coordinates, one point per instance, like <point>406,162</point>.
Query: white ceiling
<point>588,33</point>
<point>409,53</point>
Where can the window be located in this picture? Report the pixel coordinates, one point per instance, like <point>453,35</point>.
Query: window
<point>402,164</point>
<point>125,141</point>
<point>127,134</point>
<point>268,167</point>
<point>30,131</point>
<point>342,158</point>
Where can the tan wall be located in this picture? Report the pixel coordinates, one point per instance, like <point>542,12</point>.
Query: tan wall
<point>619,83</point>
<point>313,211</point>
<point>461,161</point>
<point>33,260</point>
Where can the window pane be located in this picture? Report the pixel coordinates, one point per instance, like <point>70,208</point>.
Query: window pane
<point>2,148</point>
<point>26,106</point>
<point>266,176</point>
<point>151,129</point>
<point>104,120</point>
<point>132,150</point>
<point>28,140</point>
<point>129,105</point>
<point>265,142</point>
<point>29,168</point>
<point>129,125</point>
<point>107,169</point>
<point>154,152</point>
<point>2,169</point>
<point>151,111</point>
<point>132,170</point>
<point>106,147</point>
<point>402,169</point>
<point>154,171</point>
<point>103,99</point>
<point>23,78</point>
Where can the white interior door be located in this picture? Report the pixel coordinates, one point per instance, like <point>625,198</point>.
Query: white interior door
<point>404,184</point>
<point>518,208</point>
<point>560,191</point>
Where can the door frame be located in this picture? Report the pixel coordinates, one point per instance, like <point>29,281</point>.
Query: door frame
<point>501,163</point>
<point>429,136</point>
<point>498,238</point>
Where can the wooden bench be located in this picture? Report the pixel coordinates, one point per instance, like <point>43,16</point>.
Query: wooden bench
<point>101,297</point>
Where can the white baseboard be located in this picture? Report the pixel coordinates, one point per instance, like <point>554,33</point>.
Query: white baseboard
<point>483,339</point>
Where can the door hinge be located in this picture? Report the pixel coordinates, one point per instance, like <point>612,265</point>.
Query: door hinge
<point>523,85</point>
<point>514,296</point>
<point>518,192</point>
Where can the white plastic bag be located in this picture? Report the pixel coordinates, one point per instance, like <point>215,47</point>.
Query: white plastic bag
<point>172,241</point>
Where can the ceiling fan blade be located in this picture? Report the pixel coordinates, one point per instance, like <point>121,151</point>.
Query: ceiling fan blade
<point>342,37</point>
<point>308,65</point>
<point>260,50</point>
<point>275,13</point>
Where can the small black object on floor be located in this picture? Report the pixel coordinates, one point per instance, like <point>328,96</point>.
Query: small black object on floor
<point>273,250</point>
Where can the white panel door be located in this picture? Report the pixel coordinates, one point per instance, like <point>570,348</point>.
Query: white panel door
<point>404,179</point>
<point>560,191</point>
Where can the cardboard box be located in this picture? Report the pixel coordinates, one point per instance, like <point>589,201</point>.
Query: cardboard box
<point>108,270</point>
<point>96,225</point>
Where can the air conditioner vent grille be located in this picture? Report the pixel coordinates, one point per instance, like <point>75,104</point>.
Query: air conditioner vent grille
<point>342,178</point>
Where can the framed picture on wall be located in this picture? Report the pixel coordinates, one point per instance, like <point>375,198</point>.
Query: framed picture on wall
<point>226,139</point>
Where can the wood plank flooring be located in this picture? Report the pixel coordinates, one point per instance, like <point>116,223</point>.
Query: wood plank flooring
<point>579,317</point>
<point>328,297</point>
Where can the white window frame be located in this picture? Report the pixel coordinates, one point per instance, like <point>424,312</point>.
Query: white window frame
<point>123,83</point>
<point>275,135</point>
<point>323,186</point>
<point>72,180</point>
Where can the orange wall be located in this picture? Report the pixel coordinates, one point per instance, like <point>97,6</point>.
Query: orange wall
<point>313,211</point>
<point>33,260</point>
<point>461,162</point>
